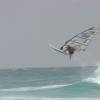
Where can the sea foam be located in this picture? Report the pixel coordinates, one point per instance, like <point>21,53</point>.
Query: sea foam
<point>35,88</point>
<point>95,78</point>
<point>44,98</point>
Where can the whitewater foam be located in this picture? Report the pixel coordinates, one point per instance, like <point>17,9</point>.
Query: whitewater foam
<point>95,78</point>
<point>44,98</point>
<point>23,89</point>
<point>34,88</point>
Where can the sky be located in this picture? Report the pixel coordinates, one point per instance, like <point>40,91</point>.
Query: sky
<point>28,26</point>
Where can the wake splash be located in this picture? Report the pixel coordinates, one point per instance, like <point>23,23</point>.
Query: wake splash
<point>95,78</point>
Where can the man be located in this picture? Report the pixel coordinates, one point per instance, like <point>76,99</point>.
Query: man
<point>69,49</point>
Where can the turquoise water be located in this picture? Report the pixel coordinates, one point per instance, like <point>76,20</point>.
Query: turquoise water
<point>71,83</point>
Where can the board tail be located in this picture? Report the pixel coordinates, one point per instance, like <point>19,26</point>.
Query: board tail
<point>57,50</point>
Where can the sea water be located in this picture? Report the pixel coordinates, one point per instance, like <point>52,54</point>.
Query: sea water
<point>70,83</point>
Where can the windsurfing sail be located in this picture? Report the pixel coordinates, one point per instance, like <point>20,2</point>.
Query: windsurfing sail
<point>81,40</point>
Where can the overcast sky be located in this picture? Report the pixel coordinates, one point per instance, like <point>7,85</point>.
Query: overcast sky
<point>28,26</point>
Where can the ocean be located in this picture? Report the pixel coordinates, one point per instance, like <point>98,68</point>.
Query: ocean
<point>70,83</point>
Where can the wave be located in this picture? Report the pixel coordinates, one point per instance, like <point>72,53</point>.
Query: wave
<point>95,78</point>
<point>89,87</point>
